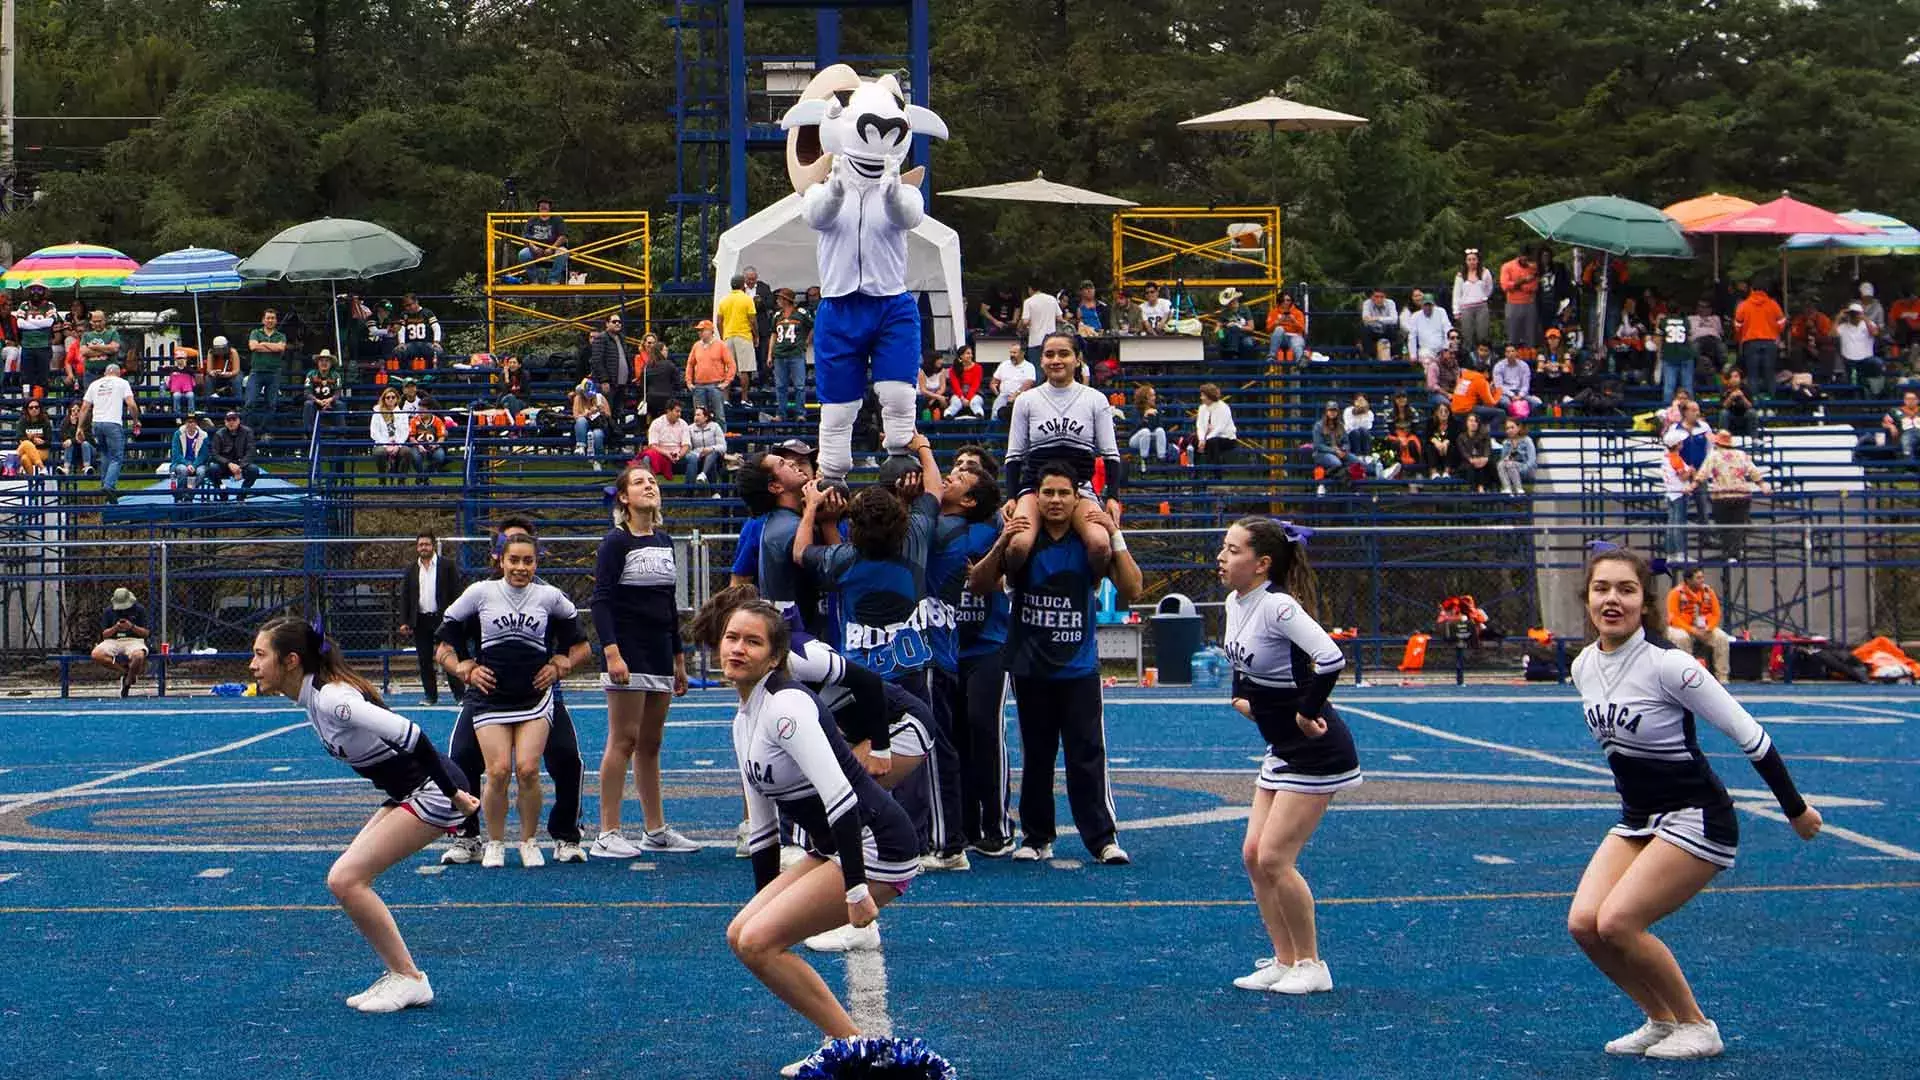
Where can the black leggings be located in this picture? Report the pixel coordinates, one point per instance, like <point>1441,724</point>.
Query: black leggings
<point>1055,712</point>
<point>562,758</point>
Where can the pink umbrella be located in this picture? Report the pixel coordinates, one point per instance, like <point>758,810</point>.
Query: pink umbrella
<point>1783,216</point>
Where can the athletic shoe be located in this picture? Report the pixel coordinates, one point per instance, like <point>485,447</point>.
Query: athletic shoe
<point>126,680</point>
<point>568,851</point>
<point>992,850</point>
<point>1304,977</point>
<point>1029,853</point>
<point>666,839</point>
<point>1689,1041</point>
<point>740,850</point>
<point>1635,1042</point>
<point>1114,855</point>
<point>396,993</point>
<point>354,1000</point>
<point>790,856</point>
<point>463,850</point>
<point>794,1069</point>
<point>847,939</point>
<point>495,855</point>
<point>936,861</point>
<point>1266,971</point>
<point>530,856</point>
<point>612,845</point>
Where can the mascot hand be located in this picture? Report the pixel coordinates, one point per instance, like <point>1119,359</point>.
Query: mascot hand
<point>890,174</point>
<point>837,176</point>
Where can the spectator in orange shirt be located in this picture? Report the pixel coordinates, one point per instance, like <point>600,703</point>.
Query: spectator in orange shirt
<point>1757,325</point>
<point>1903,322</point>
<point>1287,325</point>
<point>428,436</point>
<point>1472,393</point>
<point>1810,339</point>
<point>1693,620</point>
<point>1520,280</point>
<point>710,367</point>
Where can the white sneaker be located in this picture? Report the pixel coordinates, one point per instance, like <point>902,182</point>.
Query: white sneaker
<point>1321,490</point>
<point>1689,1041</point>
<point>666,840</point>
<point>1304,977</point>
<point>495,855</point>
<point>1029,853</point>
<point>530,856</point>
<point>568,851</point>
<point>612,845</point>
<point>794,1069</point>
<point>955,861</point>
<point>846,939</point>
<point>396,993</point>
<point>700,478</point>
<point>1635,1042</point>
<point>740,849</point>
<point>1266,971</point>
<point>463,850</point>
<point>1114,855</point>
<point>354,1000</point>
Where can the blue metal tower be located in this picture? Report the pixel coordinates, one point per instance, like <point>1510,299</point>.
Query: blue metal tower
<point>717,83</point>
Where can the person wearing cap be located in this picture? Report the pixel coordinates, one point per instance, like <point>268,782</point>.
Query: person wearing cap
<point>546,237</point>
<point>220,367</point>
<point>124,628</point>
<point>1427,327</point>
<point>233,451</point>
<point>592,417</point>
<point>1871,307</point>
<point>1126,318</point>
<point>1857,334</point>
<point>1379,324</point>
<point>710,367</point>
<point>35,319</point>
<point>322,391</point>
<point>1237,341</point>
<point>792,332</point>
<point>734,316</point>
<point>109,412</point>
<point>1731,479</point>
<point>188,455</point>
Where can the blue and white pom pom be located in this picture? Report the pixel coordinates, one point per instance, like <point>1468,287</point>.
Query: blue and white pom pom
<point>876,1058</point>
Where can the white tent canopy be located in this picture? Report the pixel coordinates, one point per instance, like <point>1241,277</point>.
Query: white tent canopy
<point>782,246</point>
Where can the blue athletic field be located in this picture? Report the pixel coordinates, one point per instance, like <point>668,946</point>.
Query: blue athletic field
<point>163,911</point>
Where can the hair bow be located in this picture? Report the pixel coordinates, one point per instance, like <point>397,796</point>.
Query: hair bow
<point>319,628</point>
<point>1297,534</point>
<point>1595,547</point>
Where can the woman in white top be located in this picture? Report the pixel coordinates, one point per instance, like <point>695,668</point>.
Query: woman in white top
<point>1213,427</point>
<point>706,447</point>
<point>389,429</point>
<point>291,657</point>
<point>1472,289</point>
<point>1357,421</point>
<point>1677,826</point>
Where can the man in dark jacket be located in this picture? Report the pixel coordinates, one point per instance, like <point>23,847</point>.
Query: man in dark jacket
<point>610,366</point>
<point>233,450</point>
<point>427,586</point>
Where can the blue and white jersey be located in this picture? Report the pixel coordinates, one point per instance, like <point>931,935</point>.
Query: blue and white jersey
<point>946,582</point>
<point>1052,635</point>
<point>1284,662</point>
<point>512,626</point>
<point>793,761</point>
<point>379,744</point>
<point>1071,425</point>
<point>636,604</point>
<point>884,626</point>
<point>981,620</point>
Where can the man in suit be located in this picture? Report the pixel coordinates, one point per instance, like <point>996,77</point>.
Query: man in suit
<point>429,584</point>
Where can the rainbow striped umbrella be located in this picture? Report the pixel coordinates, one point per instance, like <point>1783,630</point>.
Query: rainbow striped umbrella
<point>70,266</point>
<point>1890,236</point>
<point>189,270</point>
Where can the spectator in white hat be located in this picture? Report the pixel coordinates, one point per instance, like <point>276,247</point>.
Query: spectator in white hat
<point>124,628</point>
<point>221,367</point>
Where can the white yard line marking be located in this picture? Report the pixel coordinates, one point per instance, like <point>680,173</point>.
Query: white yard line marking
<point>867,991</point>
<point>281,768</point>
<point>1871,710</point>
<point>1484,744</point>
<point>215,872</point>
<point>4,878</point>
<point>1829,829</point>
<point>430,870</point>
<point>1493,860</point>
<point>89,785</point>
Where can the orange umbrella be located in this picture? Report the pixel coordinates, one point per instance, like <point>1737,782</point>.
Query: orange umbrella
<point>1690,213</point>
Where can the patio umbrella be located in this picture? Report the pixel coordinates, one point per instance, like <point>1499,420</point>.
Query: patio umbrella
<point>76,266</point>
<point>331,250</point>
<point>1274,114</point>
<point>1040,190</point>
<point>1705,208</point>
<point>1613,226</point>
<point>1783,216</point>
<point>192,271</point>
<point>1889,236</point>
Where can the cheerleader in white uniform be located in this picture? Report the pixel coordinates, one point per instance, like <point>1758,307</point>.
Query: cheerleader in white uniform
<point>1677,827</point>
<point>1284,669</point>
<point>292,658</point>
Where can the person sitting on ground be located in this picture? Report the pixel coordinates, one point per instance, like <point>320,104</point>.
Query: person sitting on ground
<point>706,448</point>
<point>1902,425</point>
<point>592,417</point>
<point>965,383</point>
<point>933,387</point>
<point>1693,621</point>
<point>1149,438</point>
<point>1518,458</point>
<point>667,444</point>
<point>124,628</point>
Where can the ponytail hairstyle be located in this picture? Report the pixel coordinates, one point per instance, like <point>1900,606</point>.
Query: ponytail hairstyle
<point>710,622</point>
<point>623,511</point>
<point>1653,612</point>
<point>319,657</point>
<point>1286,545</point>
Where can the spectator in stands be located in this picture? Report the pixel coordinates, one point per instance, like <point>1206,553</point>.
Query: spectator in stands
<point>1427,328</point>
<point>35,319</point>
<point>322,390</point>
<point>1472,292</point>
<point>35,447</point>
<point>1357,422</point>
<point>1903,318</point>
<point>1379,325</point>
<point>1157,311</point>
<point>1758,324</point>
<point>667,444</point>
<point>1237,340</point>
<point>1331,458</point>
<point>1554,292</point>
<point>966,387</point>
<point>1287,328</point>
<point>1442,376</point>
<point>231,458</point>
<point>734,316</point>
<point>267,349</point>
<point>1693,621</point>
<point>1126,317</point>
<point>1600,395</point>
<point>1474,394</point>
<point>1213,428</point>
<point>1513,380</point>
<point>932,387</point>
<point>427,435</point>
<point>1409,455</point>
<point>1871,307</point>
<point>1518,458</point>
<point>1554,373</point>
<point>1731,478</point>
<point>1672,333</point>
<point>1902,425</point>
<point>592,418</point>
<point>1691,440</point>
<point>181,385</point>
<point>389,430</point>
<point>1401,408</point>
<point>710,368</point>
<point>1803,395</point>
<point>1011,379</point>
<point>76,452</point>
<point>513,388</point>
<point>1520,281</point>
<point>1810,339</point>
<point>1675,410</point>
<point>1440,456</point>
<point>110,413</point>
<point>792,332</point>
<point>1707,334</point>
<point>1089,313</point>
<point>1736,405</point>
<point>546,236</point>
<point>124,629</point>
<point>99,345</point>
<point>187,457</point>
<point>763,311</point>
<point>221,368</point>
<point>420,334</point>
<point>10,371</point>
<point>1857,333</point>
<point>608,364</point>
<point>706,449</point>
<point>1473,452</point>
<point>1677,483</point>
<point>410,400</point>
<point>999,312</point>
<point>1149,438</point>
<point>662,380</point>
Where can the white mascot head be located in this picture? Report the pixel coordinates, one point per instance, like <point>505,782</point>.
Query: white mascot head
<point>866,121</point>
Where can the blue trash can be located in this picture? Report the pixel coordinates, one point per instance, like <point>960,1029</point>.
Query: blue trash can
<point>1178,630</point>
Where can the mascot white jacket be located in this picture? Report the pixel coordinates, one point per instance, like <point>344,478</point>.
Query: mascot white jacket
<point>854,196</point>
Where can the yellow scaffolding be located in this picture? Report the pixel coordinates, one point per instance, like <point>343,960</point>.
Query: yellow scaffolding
<point>604,270</point>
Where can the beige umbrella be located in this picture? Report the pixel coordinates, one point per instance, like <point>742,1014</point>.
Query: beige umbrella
<point>1274,114</point>
<point>1040,190</point>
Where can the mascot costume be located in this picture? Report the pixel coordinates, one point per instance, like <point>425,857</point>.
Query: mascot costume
<point>846,139</point>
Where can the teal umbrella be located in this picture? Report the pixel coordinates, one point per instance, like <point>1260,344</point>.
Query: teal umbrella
<point>1612,226</point>
<point>331,250</point>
